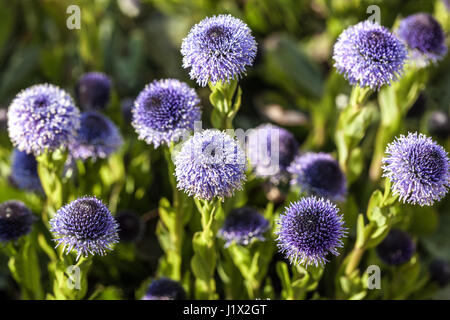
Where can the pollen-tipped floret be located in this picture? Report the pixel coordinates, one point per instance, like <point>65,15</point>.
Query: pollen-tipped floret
<point>218,48</point>
<point>86,226</point>
<point>369,55</point>
<point>309,230</point>
<point>165,111</point>
<point>210,164</point>
<point>42,117</point>
<point>418,168</point>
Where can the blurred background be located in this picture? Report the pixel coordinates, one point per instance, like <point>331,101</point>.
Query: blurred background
<point>292,84</point>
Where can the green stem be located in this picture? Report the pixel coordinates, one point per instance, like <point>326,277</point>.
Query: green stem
<point>226,101</point>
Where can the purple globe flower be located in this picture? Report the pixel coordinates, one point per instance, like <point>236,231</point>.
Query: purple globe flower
<point>85,225</point>
<point>210,164</point>
<point>130,226</point>
<point>15,220</point>
<point>319,174</point>
<point>309,230</point>
<point>242,226</point>
<point>165,111</point>
<point>24,174</point>
<point>218,48</point>
<point>270,150</point>
<point>42,118</point>
<point>164,289</point>
<point>424,36</point>
<point>97,137</point>
<point>440,272</point>
<point>369,55</point>
<point>93,90</point>
<point>418,168</point>
<point>397,248</point>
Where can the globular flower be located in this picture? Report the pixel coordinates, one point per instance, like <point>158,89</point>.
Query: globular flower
<point>424,36</point>
<point>85,225</point>
<point>97,137</point>
<point>310,229</point>
<point>242,225</point>
<point>210,164</point>
<point>16,220</point>
<point>165,111</point>
<point>130,225</point>
<point>270,150</point>
<point>93,91</point>
<point>369,55</point>
<point>165,289</point>
<point>42,117</point>
<point>319,174</point>
<point>440,272</point>
<point>397,248</point>
<point>218,48</point>
<point>418,168</point>
<point>24,174</point>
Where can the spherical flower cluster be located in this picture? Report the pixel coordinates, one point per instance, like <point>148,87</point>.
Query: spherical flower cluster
<point>242,226</point>
<point>369,55</point>
<point>309,230</point>
<point>397,248</point>
<point>15,220</point>
<point>97,137</point>
<point>164,289</point>
<point>424,36</point>
<point>270,150</point>
<point>85,225</point>
<point>24,174</point>
<point>165,111</point>
<point>210,164</point>
<point>93,90</point>
<point>218,48</point>
<point>319,174</point>
<point>42,117</point>
<point>418,168</point>
<point>130,226</point>
<point>440,272</point>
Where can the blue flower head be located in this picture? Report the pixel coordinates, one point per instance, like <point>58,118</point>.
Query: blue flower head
<point>418,168</point>
<point>218,48</point>
<point>397,248</point>
<point>270,150</point>
<point>164,289</point>
<point>242,226</point>
<point>97,137</point>
<point>85,225</point>
<point>42,117</point>
<point>440,272</point>
<point>130,226</point>
<point>24,174</point>
<point>165,111</point>
<point>15,220</point>
<point>319,174</point>
<point>210,164</point>
<point>309,230</point>
<point>369,55</point>
<point>424,36</point>
<point>93,91</point>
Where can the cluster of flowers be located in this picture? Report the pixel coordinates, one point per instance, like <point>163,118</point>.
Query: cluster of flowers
<point>212,164</point>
